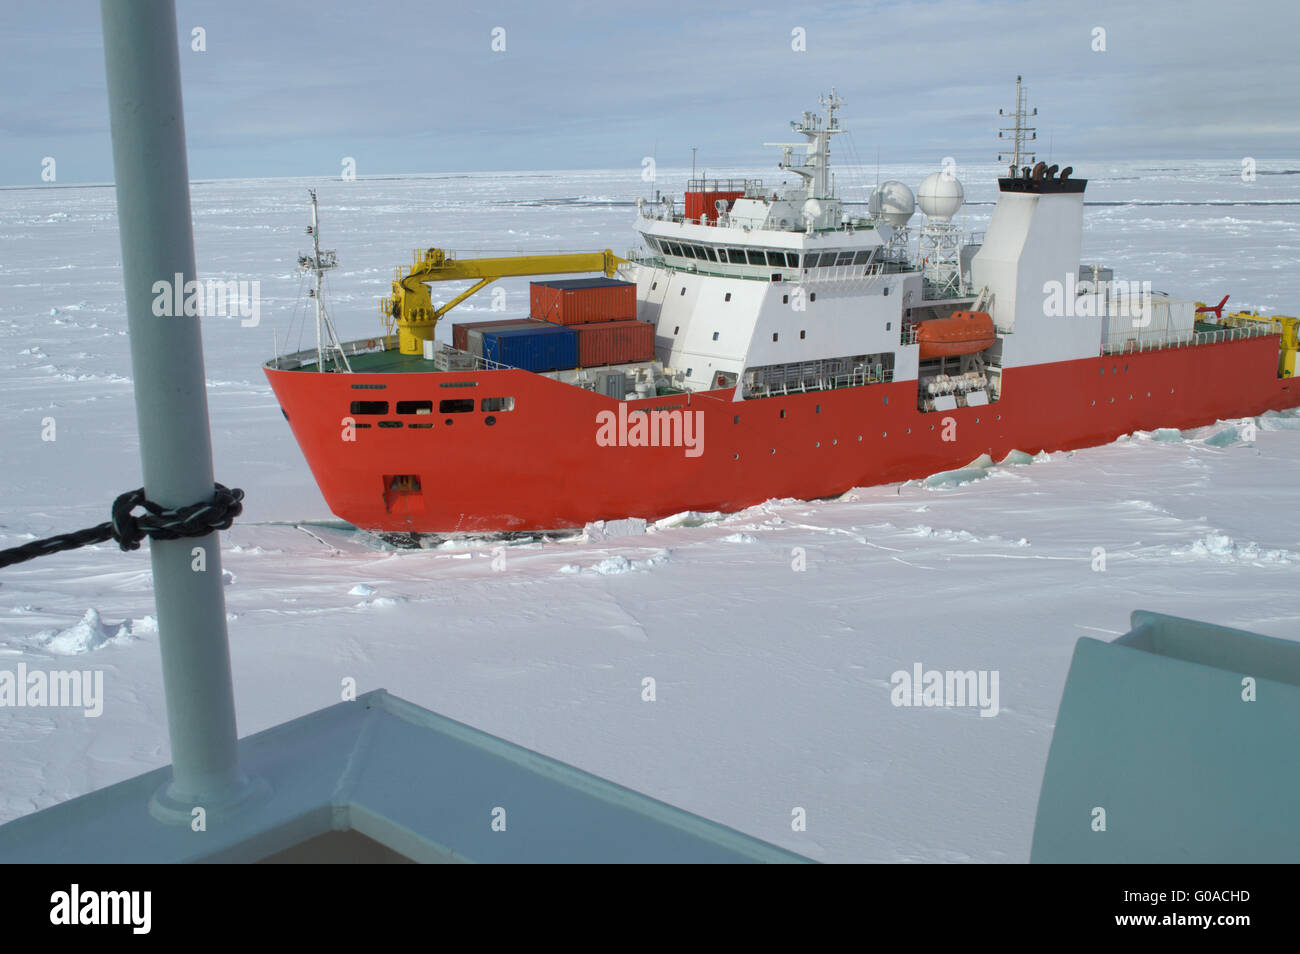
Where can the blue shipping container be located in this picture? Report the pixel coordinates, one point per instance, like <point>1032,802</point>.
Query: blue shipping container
<point>543,348</point>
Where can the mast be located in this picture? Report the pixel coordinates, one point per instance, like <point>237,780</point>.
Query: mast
<point>318,263</point>
<point>1020,133</point>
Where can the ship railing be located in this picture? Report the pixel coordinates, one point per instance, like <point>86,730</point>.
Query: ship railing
<point>447,358</point>
<point>1160,340</point>
<point>307,357</point>
<point>724,185</point>
<point>843,273</point>
<point>858,377</point>
<point>908,335</point>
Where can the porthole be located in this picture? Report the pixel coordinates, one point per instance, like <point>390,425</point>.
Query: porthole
<point>812,296</point>
<point>909,430</point>
<point>884,433</point>
<point>859,437</point>
<point>735,457</point>
<point>802,334</point>
<point>886,399</point>
<point>772,451</point>
<point>489,420</point>
<point>683,289</point>
<point>834,441</point>
<point>727,297</point>
<point>736,419</point>
<point>817,443</point>
<point>449,422</point>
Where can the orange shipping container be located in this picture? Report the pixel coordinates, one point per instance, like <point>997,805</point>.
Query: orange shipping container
<point>614,342</point>
<point>580,301</point>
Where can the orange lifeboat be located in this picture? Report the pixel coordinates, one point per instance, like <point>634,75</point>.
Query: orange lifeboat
<point>962,332</point>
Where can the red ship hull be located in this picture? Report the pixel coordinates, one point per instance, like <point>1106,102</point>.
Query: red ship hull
<point>542,466</point>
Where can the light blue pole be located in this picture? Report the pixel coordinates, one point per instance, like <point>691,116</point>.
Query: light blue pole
<point>153,207</point>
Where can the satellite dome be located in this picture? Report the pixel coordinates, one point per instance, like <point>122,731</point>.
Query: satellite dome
<point>940,196</point>
<point>893,202</point>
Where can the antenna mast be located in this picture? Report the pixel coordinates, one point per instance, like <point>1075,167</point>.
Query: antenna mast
<point>318,263</point>
<point>1020,133</point>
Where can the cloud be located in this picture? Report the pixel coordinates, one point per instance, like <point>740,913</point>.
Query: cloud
<point>291,88</point>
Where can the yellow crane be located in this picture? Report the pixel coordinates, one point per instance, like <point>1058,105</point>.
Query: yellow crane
<point>414,312</point>
<point>1287,325</point>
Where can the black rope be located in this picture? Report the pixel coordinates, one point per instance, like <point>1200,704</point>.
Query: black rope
<point>129,529</point>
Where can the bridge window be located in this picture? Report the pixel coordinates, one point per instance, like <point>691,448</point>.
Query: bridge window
<point>708,253</point>
<point>776,259</point>
<point>414,407</point>
<point>368,407</point>
<point>861,258</point>
<point>757,257</point>
<point>456,406</point>
<point>846,258</point>
<point>497,404</point>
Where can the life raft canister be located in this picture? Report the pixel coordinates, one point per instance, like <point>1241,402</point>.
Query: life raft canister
<point>962,332</point>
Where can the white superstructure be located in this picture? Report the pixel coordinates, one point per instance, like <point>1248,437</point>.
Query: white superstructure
<point>785,289</point>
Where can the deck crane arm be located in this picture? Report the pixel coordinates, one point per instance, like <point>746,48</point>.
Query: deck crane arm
<point>414,312</point>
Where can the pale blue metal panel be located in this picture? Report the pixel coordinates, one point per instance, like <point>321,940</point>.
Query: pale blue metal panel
<point>1155,730</point>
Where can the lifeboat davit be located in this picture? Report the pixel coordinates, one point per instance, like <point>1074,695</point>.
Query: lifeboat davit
<point>962,332</point>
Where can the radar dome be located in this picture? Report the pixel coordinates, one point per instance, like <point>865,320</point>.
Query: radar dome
<point>892,202</point>
<point>940,196</point>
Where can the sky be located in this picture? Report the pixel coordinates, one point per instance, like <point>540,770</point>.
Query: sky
<point>291,88</point>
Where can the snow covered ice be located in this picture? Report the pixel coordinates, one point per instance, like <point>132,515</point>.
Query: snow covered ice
<point>771,634</point>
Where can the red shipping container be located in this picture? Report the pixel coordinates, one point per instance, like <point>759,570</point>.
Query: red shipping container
<point>614,342</point>
<point>581,301</point>
<point>704,203</point>
<point>460,331</point>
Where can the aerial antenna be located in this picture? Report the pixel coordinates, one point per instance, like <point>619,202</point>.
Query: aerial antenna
<point>318,263</point>
<point>1020,133</point>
